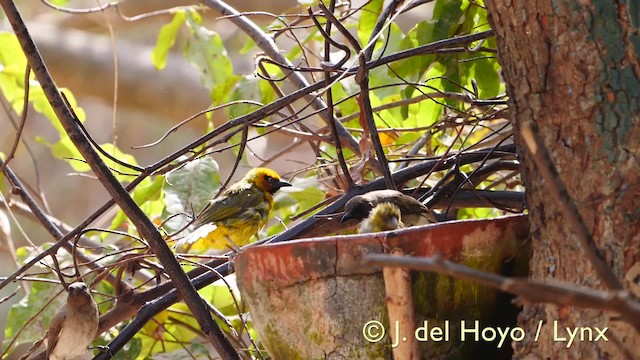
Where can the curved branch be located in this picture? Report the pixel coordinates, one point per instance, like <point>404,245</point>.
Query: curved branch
<point>269,46</point>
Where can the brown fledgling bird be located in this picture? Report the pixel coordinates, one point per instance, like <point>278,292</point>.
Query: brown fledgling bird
<point>384,217</point>
<point>413,211</point>
<point>74,326</point>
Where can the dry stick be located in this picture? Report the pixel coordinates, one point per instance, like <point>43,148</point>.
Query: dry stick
<point>10,116</point>
<point>363,76</point>
<point>48,225</point>
<point>23,120</point>
<point>554,185</point>
<point>511,200</point>
<point>21,208</point>
<point>461,183</point>
<point>327,74</point>
<point>176,127</point>
<point>214,334</point>
<point>238,309</point>
<point>236,163</point>
<point>399,301</point>
<point>292,111</point>
<point>64,240</point>
<point>382,18</point>
<point>11,154</point>
<point>8,297</point>
<point>534,291</point>
<point>364,101</point>
<point>266,43</point>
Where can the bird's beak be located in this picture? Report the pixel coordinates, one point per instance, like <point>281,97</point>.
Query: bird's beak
<point>281,184</point>
<point>394,223</point>
<point>346,217</point>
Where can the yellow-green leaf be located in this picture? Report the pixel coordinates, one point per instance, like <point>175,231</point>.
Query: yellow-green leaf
<point>166,40</point>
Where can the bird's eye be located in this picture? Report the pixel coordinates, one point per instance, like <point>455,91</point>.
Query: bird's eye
<point>270,179</point>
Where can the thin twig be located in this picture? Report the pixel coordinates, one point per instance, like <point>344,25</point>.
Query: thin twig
<point>364,101</point>
<point>47,223</point>
<point>330,114</point>
<point>23,120</point>
<point>264,42</point>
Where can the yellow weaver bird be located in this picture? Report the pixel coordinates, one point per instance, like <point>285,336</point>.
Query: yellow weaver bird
<point>383,217</point>
<point>233,218</point>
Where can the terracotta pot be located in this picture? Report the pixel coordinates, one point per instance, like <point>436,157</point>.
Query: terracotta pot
<point>311,299</point>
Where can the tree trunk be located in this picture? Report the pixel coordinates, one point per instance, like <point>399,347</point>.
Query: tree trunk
<point>573,68</point>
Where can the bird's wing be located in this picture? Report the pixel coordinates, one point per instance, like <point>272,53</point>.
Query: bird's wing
<point>410,204</point>
<point>231,204</point>
<point>54,330</point>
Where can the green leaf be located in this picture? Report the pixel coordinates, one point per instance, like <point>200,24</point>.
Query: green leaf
<point>247,88</point>
<point>392,37</point>
<point>220,92</point>
<point>41,105</point>
<point>122,173</point>
<point>190,186</point>
<point>148,195</point>
<point>166,40</point>
<point>221,297</point>
<point>346,107</point>
<point>12,66</point>
<point>475,19</point>
<point>11,52</point>
<point>66,150</point>
<point>368,18</point>
<point>392,117</point>
<point>303,195</point>
<point>487,77</point>
<point>477,213</point>
<point>29,307</point>
<point>206,51</point>
<point>248,46</point>
<point>408,138</point>
<point>267,94</point>
<point>413,67</point>
<point>455,76</point>
<point>429,111</point>
<point>447,15</point>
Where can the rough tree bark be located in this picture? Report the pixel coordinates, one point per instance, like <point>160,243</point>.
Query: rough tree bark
<point>573,68</point>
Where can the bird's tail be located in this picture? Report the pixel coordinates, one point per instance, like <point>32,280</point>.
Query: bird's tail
<point>197,234</point>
